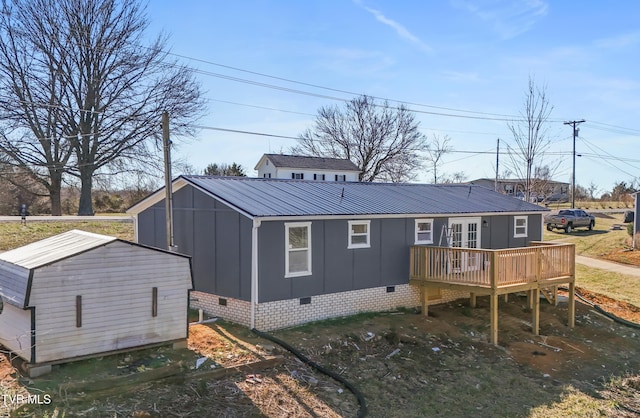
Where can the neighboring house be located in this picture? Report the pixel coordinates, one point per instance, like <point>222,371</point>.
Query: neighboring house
<point>280,166</point>
<point>79,294</point>
<point>274,253</point>
<point>516,187</point>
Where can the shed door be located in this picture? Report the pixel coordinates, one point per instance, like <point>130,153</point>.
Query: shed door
<point>465,233</point>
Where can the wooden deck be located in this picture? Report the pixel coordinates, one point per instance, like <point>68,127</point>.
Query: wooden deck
<point>540,267</point>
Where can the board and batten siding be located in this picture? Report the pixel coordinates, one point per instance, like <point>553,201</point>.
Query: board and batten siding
<point>217,237</point>
<point>115,282</point>
<point>15,324</point>
<point>336,268</point>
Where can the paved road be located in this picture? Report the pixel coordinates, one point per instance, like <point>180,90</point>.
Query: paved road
<point>119,218</point>
<point>608,265</point>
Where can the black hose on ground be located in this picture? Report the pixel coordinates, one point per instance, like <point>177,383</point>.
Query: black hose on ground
<point>362,412</point>
<point>605,313</point>
<point>616,318</point>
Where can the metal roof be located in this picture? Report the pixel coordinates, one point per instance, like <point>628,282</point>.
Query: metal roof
<point>55,248</point>
<point>259,197</point>
<point>16,265</point>
<point>315,163</point>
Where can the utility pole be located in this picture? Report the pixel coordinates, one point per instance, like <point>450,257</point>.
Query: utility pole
<point>495,186</point>
<point>168,201</point>
<point>573,176</point>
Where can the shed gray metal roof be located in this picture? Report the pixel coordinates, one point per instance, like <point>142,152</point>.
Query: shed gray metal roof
<point>54,248</point>
<point>314,163</point>
<point>16,265</point>
<point>277,197</point>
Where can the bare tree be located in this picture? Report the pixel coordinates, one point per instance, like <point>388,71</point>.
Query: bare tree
<point>76,78</point>
<point>592,190</point>
<point>437,149</point>
<point>542,183</point>
<point>383,141</point>
<point>457,177</point>
<point>530,135</point>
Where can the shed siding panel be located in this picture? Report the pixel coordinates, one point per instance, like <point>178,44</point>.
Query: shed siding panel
<point>115,282</point>
<point>15,330</point>
<point>13,282</point>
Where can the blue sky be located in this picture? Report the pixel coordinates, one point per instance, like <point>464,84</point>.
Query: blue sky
<point>444,57</point>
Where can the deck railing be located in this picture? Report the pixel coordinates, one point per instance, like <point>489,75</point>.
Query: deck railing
<point>493,268</point>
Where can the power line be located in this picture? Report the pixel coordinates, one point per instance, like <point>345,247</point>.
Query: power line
<point>288,80</point>
<point>262,107</point>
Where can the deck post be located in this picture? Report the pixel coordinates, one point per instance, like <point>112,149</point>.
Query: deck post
<point>472,300</point>
<point>535,321</point>
<point>424,293</point>
<point>493,300</point>
<point>493,308</point>
<point>572,304</point>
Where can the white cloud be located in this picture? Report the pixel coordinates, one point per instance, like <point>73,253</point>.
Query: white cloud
<point>509,18</point>
<point>619,42</point>
<point>402,31</point>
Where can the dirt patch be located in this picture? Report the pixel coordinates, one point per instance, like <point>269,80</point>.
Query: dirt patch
<point>624,255</point>
<point>618,308</point>
<point>404,363</point>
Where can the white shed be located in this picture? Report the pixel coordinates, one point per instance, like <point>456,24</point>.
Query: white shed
<point>80,294</point>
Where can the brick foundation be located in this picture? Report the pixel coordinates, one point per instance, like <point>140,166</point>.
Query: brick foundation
<point>290,312</point>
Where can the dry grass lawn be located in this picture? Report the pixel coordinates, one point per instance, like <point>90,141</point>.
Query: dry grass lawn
<point>405,364</point>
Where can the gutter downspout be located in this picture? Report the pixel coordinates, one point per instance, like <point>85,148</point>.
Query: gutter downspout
<point>254,270</point>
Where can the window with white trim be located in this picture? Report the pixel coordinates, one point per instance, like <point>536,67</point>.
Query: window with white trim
<point>520,226</point>
<point>341,177</point>
<point>424,231</point>
<point>297,249</point>
<point>359,234</point>
<point>297,176</point>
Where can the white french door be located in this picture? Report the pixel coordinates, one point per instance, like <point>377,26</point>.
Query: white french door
<point>465,233</point>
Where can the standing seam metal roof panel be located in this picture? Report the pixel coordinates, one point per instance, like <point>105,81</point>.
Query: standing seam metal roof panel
<point>278,197</point>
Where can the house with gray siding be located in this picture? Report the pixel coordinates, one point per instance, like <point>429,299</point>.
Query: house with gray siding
<point>271,253</point>
<point>79,295</point>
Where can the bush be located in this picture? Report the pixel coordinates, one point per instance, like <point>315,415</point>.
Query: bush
<point>630,229</point>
